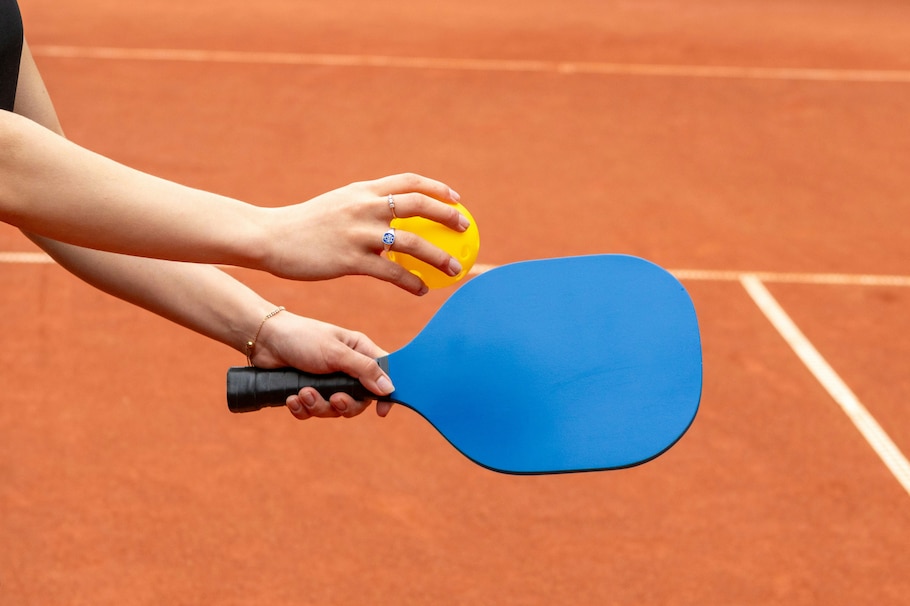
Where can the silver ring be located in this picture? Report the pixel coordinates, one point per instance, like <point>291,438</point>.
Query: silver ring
<point>392,206</point>
<point>388,238</point>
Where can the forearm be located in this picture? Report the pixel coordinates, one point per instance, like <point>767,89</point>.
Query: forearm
<point>199,297</point>
<point>59,190</point>
<point>55,188</point>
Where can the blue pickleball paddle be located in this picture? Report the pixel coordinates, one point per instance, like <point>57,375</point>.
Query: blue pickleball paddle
<point>548,366</point>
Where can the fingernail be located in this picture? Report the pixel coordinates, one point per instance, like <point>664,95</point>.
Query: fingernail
<point>454,195</point>
<point>454,267</point>
<point>309,400</point>
<point>463,223</point>
<point>295,406</point>
<point>340,406</point>
<point>385,386</point>
<point>423,290</point>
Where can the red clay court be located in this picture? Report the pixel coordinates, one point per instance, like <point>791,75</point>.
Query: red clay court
<point>757,149</point>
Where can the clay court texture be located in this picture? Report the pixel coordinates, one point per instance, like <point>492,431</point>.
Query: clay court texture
<point>758,149</point>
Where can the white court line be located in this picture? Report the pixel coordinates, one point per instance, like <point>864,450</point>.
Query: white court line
<point>13,258</point>
<point>886,449</point>
<point>489,65</point>
<point>794,277</point>
<point>709,275</point>
<point>753,283</point>
<point>682,274</point>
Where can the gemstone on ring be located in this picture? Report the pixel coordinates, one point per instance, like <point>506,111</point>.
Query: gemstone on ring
<point>388,238</point>
<point>392,206</point>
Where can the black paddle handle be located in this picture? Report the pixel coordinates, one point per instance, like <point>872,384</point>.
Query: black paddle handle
<point>250,388</point>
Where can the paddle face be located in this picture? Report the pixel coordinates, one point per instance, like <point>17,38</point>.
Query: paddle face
<point>558,365</point>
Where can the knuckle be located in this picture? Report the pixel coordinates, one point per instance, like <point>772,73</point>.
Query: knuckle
<point>413,203</point>
<point>453,215</point>
<point>397,272</point>
<point>404,240</point>
<point>411,180</point>
<point>335,355</point>
<point>403,278</point>
<point>355,336</point>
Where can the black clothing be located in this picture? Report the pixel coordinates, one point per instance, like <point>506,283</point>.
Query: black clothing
<point>10,51</point>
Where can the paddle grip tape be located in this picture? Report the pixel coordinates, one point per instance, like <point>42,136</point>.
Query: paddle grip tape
<point>250,388</point>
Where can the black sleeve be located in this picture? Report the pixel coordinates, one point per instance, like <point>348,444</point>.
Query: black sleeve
<point>10,52</point>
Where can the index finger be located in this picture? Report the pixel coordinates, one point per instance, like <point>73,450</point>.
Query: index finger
<point>413,183</point>
<point>359,361</point>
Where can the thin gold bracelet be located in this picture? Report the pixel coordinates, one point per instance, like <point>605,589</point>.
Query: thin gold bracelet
<point>250,345</point>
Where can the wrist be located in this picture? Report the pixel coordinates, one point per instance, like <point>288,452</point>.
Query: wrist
<point>254,343</point>
<point>250,246</point>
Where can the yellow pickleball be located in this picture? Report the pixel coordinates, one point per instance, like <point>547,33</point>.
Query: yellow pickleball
<point>464,246</point>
